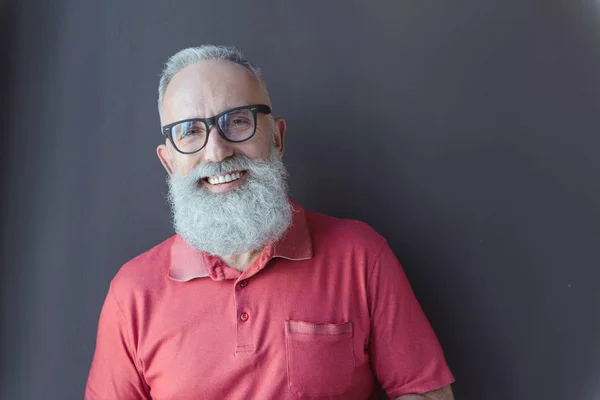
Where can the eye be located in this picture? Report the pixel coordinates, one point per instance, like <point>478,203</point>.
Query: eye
<point>238,120</point>
<point>191,129</point>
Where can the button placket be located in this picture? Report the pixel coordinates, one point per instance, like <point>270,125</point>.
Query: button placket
<point>244,337</point>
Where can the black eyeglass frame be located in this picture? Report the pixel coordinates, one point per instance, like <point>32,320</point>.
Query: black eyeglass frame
<point>213,121</point>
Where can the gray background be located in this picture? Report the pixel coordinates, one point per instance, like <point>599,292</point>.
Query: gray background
<point>466,132</point>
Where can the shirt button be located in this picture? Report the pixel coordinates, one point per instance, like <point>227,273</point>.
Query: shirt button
<point>244,316</point>
<point>243,283</point>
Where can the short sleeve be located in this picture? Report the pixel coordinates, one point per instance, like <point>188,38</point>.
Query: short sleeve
<point>115,373</point>
<point>404,351</point>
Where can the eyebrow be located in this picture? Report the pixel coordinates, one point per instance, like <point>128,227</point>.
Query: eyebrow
<point>219,114</point>
<point>223,110</point>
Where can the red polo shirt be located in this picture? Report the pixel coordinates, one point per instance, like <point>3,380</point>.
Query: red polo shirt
<point>321,313</point>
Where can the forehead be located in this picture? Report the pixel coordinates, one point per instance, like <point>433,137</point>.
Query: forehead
<point>210,87</point>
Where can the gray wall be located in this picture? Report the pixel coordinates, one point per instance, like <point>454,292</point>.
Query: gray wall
<point>466,132</point>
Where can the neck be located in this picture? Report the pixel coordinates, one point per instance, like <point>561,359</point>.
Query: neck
<point>242,261</point>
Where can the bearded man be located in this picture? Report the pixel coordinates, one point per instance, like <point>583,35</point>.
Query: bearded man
<point>254,297</point>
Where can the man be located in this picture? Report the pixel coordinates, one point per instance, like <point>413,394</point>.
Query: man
<point>254,297</point>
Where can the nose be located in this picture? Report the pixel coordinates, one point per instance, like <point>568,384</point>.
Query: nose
<point>217,149</point>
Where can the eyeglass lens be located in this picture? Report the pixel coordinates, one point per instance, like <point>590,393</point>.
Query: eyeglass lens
<point>237,126</point>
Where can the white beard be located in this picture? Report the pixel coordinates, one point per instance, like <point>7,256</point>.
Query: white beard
<point>239,221</point>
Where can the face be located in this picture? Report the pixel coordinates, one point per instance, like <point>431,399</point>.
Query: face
<point>206,89</point>
<point>246,213</point>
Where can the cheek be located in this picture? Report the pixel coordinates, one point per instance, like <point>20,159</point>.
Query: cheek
<point>259,146</point>
<point>257,151</point>
<point>184,165</point>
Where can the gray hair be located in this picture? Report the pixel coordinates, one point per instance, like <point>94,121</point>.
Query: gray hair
<point>239,221</point>
<point>193,55</point>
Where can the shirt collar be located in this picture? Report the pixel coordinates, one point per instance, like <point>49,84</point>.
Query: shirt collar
<point>187,263</point>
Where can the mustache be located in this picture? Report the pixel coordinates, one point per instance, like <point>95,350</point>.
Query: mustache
<point>229,165</point>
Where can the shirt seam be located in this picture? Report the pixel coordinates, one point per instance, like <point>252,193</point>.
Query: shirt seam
<point>136,359</point>
<point>371,267</point>
<point>403,389</point>
<point>431,386</point>
<point>370,297</point>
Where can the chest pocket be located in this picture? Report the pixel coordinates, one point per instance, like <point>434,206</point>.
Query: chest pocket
<point>320,358</point>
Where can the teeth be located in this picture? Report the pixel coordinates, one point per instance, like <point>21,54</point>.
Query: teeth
<point>215,180</point>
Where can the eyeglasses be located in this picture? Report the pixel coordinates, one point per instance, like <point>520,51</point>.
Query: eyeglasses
<point>235,125</point>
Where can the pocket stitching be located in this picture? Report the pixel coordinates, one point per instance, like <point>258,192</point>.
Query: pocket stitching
<point>300,327</point>
<point>288,335</point>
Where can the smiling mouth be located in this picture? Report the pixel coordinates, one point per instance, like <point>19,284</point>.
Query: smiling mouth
<point>224,178</point>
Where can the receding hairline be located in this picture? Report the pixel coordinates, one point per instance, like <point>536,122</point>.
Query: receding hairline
<point>216,65</point>
<point>242,87</point>
<point>195,55</point>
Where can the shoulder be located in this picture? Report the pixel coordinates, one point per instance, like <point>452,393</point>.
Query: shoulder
<point>145,271</point>
<point>343,233</point>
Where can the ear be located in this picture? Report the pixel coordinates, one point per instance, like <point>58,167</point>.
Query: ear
<point>165,158</point>
<point>280,127</point>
